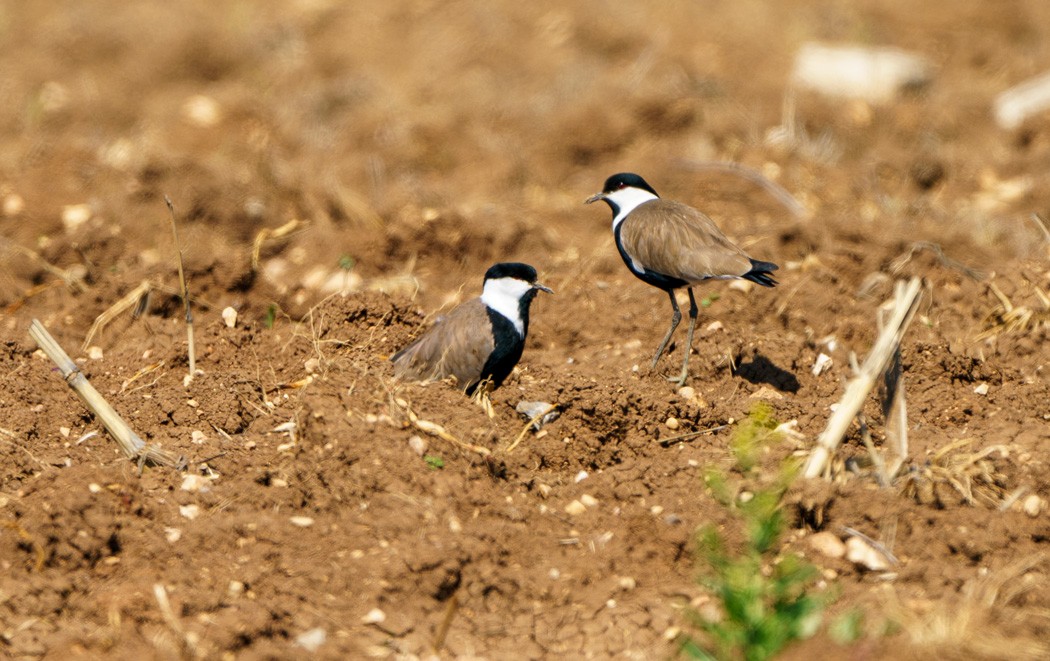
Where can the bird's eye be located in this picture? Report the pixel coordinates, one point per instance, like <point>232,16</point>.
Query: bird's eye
<point>622,184</point>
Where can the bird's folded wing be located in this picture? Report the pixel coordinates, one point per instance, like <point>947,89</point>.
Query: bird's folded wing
<point>457,346</point>
<point>678,241</point>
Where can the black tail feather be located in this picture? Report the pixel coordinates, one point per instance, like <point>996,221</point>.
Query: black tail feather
<point>760,273</point>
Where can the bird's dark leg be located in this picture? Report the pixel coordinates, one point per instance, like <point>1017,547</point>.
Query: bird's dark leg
<point>693,312</point>
<point>675,318</point>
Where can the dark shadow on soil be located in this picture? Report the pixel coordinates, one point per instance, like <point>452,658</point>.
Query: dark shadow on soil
<point>762,370</point>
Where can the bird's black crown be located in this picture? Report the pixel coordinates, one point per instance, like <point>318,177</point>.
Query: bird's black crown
<point>511,270</point>
<point>626,180</point>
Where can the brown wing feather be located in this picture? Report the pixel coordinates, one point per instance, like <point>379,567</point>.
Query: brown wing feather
<point>679,241</point>
<point>458,345</point>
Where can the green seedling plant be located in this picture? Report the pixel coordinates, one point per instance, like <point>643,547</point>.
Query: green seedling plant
<point>766,599</point>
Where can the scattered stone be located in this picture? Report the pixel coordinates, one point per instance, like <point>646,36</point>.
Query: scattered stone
<point>575,508</point>
<point>235,589</point>
<point>312,365</point>
<point>627,583</point>
<point>544,490</point>
<point>827,544</point>
<point>588,500</point>
<point>94,488</point>
<point>94,353</point>
<point>202,111</point>
<point>672,423</point>
<point>64,431</point>
<point>190,512</point>
<point>374,616</point>
<point>172,534</point>
<point>13,205</point>
<point>860,552</point>
<point>418,444</point>
<point>765,392</point>
<point>312,640</point>
<point>876,75</point>
<point>822,364</point>
<point>687,392</point>
<point>580,477</point>
<point>529,410</point>
<point>194,483</point>
<point>301,521</point>
<point>981,389</point>
<point>197,437</point>
<point>229,317</point>
<point>1020,102</point>
<point>75,215</point>
<point>1032,505</point>
<point>715,326</point>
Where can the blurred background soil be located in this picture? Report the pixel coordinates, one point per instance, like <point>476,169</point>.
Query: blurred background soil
<point>342,172</point>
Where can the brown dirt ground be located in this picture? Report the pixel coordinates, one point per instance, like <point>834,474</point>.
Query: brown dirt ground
<point>425,141</point>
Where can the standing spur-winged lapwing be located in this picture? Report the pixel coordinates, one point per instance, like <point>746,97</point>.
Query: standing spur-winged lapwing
<point>670,245</point>
<point>480,340</point>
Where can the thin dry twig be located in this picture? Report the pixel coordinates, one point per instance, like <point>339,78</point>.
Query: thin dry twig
<point>778,192</point>
<point>191,348</point>
<point>857,390</point>
<point>131,444</point>
<point>667,442</point>
<point>266,234</point>
<point>530,423</point>
<point>73,281</point>
<point>132,298</point>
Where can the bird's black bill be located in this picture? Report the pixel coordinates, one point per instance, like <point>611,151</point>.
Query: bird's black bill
<point>594,198</point>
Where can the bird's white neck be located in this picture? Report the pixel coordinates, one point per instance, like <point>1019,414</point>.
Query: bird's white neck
<point>626,201</point>
<point>504,296</point>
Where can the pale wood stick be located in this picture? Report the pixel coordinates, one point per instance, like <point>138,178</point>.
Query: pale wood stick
<point>131,444</point>
<point>861,385</point>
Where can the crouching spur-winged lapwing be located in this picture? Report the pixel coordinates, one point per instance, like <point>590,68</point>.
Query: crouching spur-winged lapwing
<point>480,340</point>
<point>670,245</point>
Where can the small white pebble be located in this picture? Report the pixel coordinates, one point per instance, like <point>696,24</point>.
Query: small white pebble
<point>64,431</point>
<point>715,326</point>
<point>374,616</point>
<point>194,483</point>
<point>981,389</point>
<point>190,512</point>
<point>14,205</point>
<point>1032,505</point>
<point>301,521</point>
<point>588,500</point>
<point>554,574</point>
<point>610,603</point>
<point>312,365</point>
<point>202,111</point>
<point>656,510</point>
<point>672,633</point>
<point>312,640</point>
<point>544,490</point>
<point>418,445</point>
<point>687,392</point>
<point>235,588</point>
<point>827,544</point>
<point>94,488</point>
<point>371,418</point>
<point>95,353</point>
<point>197,437</point>
<point>454,525</point>
<point>627,583</point>
<point>672,423</point>
<point>745,496</point>
<point>580,477</point>
<point>229,317</point>
<point>75,215</point>
<point>575,508</point>
<point>172,534</point>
